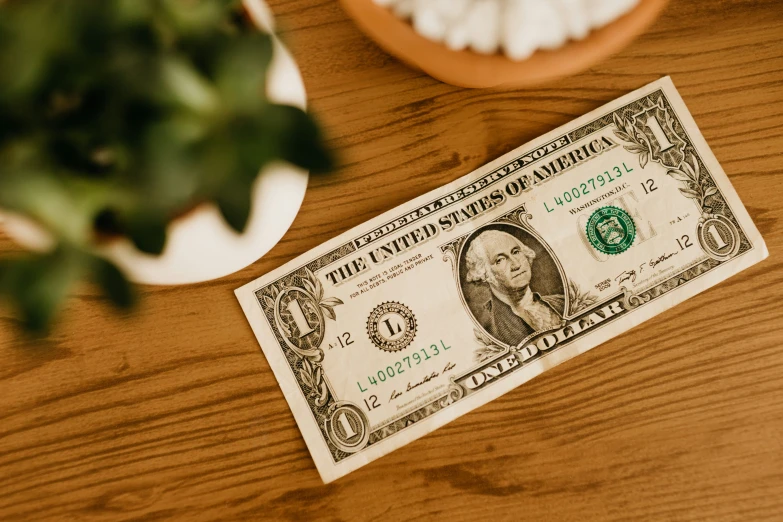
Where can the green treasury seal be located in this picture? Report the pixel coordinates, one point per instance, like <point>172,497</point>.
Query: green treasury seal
<point>611,230</point>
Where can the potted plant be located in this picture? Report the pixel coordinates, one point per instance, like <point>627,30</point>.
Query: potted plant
<point>119,116</point>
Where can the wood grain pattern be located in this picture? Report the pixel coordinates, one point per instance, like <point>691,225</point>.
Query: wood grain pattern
<point>175,414</point>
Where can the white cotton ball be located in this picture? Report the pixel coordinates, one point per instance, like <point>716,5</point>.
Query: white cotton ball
<point>404,8</point>
<point>450,10</point>
<point>457,36</point>
<point>483,24</point>
<point>520,34</point>
<point>575,17</point>
<point>553,33</point>
<point>428,22</point>
<point>519,26</point>
<point>601,12</point>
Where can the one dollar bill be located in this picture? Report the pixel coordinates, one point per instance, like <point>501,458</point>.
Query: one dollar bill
<point>438,306</point>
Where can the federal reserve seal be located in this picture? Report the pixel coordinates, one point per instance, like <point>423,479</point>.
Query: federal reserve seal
<point>391,326</point>
<point>611,230</point>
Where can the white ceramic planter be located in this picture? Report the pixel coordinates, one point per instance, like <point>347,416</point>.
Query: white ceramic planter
<point>200,245</point>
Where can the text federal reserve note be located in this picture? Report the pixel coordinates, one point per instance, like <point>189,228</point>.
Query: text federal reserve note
<point>432,309</point>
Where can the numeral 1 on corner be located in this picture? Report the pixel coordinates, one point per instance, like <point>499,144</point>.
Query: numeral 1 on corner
<point>655,127</point>
<point>347,428</point>
<point>719,242</point>
<point>295,309</point>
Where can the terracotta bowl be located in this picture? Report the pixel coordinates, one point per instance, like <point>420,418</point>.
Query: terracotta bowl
<point>470,69</point>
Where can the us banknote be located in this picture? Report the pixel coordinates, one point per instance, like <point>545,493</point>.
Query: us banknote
<point>438,306</point>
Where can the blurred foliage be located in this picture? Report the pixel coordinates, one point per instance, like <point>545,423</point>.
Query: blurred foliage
<point>116,116</point>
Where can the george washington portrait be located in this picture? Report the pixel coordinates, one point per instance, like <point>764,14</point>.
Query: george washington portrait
<point>510,283</point>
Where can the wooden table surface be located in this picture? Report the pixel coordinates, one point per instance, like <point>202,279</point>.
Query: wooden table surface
<point>174,413</point>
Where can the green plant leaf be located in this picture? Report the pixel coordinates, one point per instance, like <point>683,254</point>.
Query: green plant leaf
<point>49,201</point>
<point>147,231</point>
<point>298,137</point>
<point>114,283</point>
<point>235,203</point>
<point>38,285</point>
<point>188,86</point>
<point>240,75</point>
